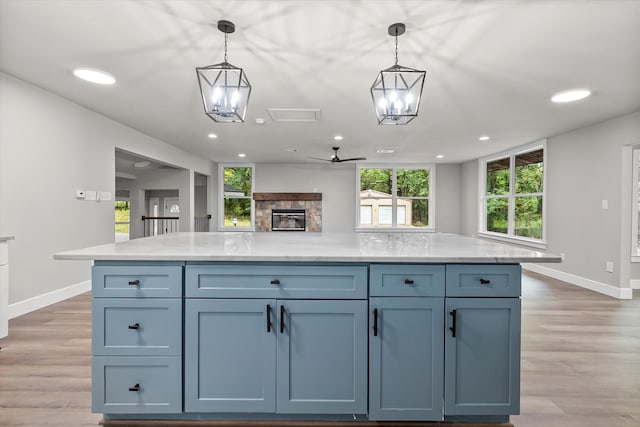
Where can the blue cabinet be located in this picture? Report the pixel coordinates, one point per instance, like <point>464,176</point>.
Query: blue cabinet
<point>265,356</point>
<point>482,351</point>
<point>230,355</point>
<point>322,357</point>
<point>406,358</point>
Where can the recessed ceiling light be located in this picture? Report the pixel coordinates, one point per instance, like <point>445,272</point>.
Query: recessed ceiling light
<point>259,120</point>
<point>242,155</point>
<point>484,138</point>
<point>94,76</point>
<point>570,95</point>
<point>291,150</point>
<point>338,137</point>
<point>440,156</point>
<point>212,136</point>
<point>385,151</point>
<point>141,164</point>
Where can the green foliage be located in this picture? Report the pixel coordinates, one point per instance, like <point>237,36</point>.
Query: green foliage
<point>122,214</point>
<point>239,178</point>
<point>412,182</point>
<point>529,178</point>
<point>239,208</point>
<point>376,179</point>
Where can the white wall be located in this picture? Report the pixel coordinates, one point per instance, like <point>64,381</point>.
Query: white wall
<point>49,147</point>
<point>337,185</point>
<point>469,198</point>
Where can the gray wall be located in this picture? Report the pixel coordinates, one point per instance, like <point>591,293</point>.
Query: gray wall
<point>583,168</point>
<point>49,148</point>
<point>337,185</point>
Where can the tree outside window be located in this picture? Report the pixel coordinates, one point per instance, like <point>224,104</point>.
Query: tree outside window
<point>394,197</point>
<point>514,194</point>
<point>237,196</point>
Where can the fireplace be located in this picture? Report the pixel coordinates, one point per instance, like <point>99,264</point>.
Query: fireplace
<point>288,219</point>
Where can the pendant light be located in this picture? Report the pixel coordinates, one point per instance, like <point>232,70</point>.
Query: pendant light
<point>396,92</point>
<point>224,87</point>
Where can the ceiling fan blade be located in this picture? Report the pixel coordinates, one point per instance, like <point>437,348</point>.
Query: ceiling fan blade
<point>352,159</point>
<point>317,158</point>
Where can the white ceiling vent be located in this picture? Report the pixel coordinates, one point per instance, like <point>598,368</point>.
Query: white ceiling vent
<point>294,115</point>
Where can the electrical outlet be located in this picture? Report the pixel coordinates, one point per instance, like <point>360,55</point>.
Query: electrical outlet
<point>605,204</point>
<point>80,194</point>
<point>609,267</point>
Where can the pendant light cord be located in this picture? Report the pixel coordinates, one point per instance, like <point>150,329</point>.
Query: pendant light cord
<point>225,47</point>
<point>396,46</point>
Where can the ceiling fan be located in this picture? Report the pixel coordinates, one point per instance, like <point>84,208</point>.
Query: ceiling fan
<point>336,159</point>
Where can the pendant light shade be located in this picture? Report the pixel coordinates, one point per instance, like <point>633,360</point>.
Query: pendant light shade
<point>225,88</point>
<point>397,90</point>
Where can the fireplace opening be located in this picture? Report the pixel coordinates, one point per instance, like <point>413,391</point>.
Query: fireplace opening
<point>288,220</point>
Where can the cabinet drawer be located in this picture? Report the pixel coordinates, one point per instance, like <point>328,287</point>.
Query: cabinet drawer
<point>406,280</point>
<point>136,385</point>
<point>276,281</point>
<point>482,280</point>
<point>124,326</point>
<point>160,281</point>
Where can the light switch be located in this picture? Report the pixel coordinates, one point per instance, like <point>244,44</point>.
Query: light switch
<point>104,195</point>
<point>91,195</point>
<point>605,204</point>
<point>80,194</point>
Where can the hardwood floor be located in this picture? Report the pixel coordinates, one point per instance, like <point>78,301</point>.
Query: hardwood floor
<point>580,361</point>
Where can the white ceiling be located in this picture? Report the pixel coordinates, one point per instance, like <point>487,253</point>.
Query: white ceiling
<point>491,68</point>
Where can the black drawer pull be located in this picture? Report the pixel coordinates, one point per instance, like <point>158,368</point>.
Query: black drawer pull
<point>282,319</point>
<point>484,281</point>
<point>135,326</point>
<point>275,282</point>
<point>268,318</point>
<point>134,282</point>
<point>135,388</point>
<point>375,322</point>
<point>453,323</point>
<point>408,282</point>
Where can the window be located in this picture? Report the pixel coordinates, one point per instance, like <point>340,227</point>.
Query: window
<point>236,190</point>
<point>513,194</point>
<point>398,197</point>
<point>122,220</point>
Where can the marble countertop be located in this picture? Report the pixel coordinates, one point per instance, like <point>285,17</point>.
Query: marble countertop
<point>5,238</point>
<point>310,247</point>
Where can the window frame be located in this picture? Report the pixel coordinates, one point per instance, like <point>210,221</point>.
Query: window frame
<point>397,228</point>
<point>510,236</point>
<point>221,168</point>
<point>635,200</point>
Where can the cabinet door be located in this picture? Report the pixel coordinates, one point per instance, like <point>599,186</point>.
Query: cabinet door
<point>406,358</point>
<point>322,357</point>
<point>230,355</point>
<point>482,356</point>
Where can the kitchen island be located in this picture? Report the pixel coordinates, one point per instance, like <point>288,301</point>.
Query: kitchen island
<point>306,326</point>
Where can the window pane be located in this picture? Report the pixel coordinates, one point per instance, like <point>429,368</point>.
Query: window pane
<point>529,169</point>
<point>237,212</point>
<point>377,182</point>
<point>122,213</point>
<point>497,211</point>
<point>366,215</point>
<point>412,182</point>
<point>528,221</point>
<point>498,177</point>
<point>237,182</point>
<point>419,213</point>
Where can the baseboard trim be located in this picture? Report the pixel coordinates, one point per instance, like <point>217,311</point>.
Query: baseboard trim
<point>583,282</point>
<point>635,284</point>
<point>32,304</point>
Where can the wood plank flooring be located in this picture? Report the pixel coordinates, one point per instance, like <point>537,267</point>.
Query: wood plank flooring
<point>580,361</point>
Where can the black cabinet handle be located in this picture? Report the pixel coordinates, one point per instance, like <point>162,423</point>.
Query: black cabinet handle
<point>135,388</point>
<point>135,326</point>
<point>282,319</point>
<point>453,325</point>
<point>134,282</point>
<point>375,322</point>
<point>268,318</point>
<point>408,282</point>
<point>275,282</point>
<point>484,281</point>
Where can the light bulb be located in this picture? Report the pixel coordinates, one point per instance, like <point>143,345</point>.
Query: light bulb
<point>408,99</point>
<point>215,97</point>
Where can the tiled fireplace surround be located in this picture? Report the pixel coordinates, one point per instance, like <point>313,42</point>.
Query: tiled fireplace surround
<point>311,202</point>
